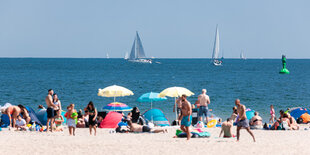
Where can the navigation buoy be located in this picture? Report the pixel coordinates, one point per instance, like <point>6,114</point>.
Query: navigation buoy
<point>284,70</point>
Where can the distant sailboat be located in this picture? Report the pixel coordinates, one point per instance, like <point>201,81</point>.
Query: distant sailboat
<point>126,56</point>
<point>137,52</point>
<point>216,49</point>
<point>242,56</point>
<point>108,57</point>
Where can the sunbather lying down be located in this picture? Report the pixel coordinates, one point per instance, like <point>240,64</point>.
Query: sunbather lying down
<point>134,127</point>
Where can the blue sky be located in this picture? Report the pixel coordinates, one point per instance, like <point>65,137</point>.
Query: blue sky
<point>168,28</point>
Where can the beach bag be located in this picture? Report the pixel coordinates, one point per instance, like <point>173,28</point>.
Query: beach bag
<point>299,120</point>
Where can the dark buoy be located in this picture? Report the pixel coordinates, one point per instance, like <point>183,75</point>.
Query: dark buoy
<point>284,70</point>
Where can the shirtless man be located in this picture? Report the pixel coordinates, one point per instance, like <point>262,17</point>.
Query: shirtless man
<point>134,127</point>
<point>242,121</point>
<point>186,116</point>
<point>12,112</point>
<point>226,128</point>
<point>204,101</point>
<point>50,109</point>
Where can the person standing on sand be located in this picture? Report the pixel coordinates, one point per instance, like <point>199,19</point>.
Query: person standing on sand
<point>178,103</point>
<point>226,128</point>
<point>186,116</point>
<point>50,110</point>
<point>242,121</point>
<point>204,101</point>
<point>71,119</point>
<point>92,115</point>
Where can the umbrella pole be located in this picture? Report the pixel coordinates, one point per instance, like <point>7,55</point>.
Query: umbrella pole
<point>176,115</point>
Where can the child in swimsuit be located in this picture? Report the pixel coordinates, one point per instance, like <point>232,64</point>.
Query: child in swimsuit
<point>70,119</point>
<point>58,121</point>
<point>272,114</point>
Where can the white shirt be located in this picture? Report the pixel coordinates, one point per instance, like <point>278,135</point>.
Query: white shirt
<point>22,122</point>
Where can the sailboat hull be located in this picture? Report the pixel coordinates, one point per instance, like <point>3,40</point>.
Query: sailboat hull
<point>146,61</point>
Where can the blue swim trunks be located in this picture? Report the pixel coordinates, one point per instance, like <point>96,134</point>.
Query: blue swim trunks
<point>185,121</point>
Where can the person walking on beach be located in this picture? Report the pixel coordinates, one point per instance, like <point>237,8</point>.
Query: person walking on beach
<point>92,116</point>
<point>204,101</point>
<point>272,114</point>
<point>178,105</point>
<point>50,110</point>
<point>71,119</point>
<point>186,116</point>
<point>242,121</point>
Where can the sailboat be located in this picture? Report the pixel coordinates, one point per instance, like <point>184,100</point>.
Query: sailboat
<point>216,49</point>
<point>108,57</point>
<point>242,56</point>
<point>126,56</point>
<point>137,52</point>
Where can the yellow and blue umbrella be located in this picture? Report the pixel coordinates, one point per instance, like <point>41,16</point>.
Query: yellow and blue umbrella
<point>117,106</point>
<point>151,97</point>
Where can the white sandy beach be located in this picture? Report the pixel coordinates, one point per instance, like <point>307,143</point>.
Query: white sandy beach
<point>268,142</point>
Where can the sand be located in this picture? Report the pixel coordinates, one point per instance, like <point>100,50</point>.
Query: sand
<point>268,142</point>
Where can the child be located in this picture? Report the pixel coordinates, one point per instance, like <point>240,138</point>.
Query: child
<point>20,123</point>
<point>71,119</point>
<point>58,121</point>
<point>273,115</point>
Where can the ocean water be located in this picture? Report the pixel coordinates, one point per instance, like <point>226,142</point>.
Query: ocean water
<point>256,82</point>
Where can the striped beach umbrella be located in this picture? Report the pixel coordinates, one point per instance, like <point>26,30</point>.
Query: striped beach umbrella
<point>117,106</point>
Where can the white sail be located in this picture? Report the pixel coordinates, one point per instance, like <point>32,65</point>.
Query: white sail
<point>242,56</point>
<point>126,56</point>
<point>108,56</point>
<point>216,47</point>
<point>137,52</point>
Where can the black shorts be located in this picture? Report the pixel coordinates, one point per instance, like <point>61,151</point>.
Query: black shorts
<point>50,112</point>
<point>146,129</point>
<point>90,120</point>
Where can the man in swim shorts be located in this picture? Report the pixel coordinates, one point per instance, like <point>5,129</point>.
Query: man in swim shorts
<point>242,121</point>
<point>204,101</point>
<point>186,116</point>
<point>50,109</point>
<point>226,128</point>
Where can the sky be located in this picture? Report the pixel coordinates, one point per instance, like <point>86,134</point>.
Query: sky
<point>167,28</point>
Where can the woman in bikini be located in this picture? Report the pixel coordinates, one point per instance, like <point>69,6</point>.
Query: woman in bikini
<point>92,116</point>
<point>58,121</point>
<point>57,103</point>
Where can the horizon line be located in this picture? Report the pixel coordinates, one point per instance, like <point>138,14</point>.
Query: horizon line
<point>123,58</point>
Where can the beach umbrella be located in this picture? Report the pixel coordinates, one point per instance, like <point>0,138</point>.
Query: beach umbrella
<point>175,92</point>
<point>117,106</point>
<point>151,97</point>
<point>114,91</point>
<point>296,113</point>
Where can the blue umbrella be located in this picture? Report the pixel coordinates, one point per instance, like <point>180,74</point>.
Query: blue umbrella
<point>296,113</point>
<point>150,98</point>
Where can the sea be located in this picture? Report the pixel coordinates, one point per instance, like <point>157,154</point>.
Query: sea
<point>256,82</point>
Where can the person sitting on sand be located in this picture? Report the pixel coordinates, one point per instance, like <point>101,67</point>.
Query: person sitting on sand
<point>12,112</point>
<point>136,116</point>
<point>21,123</point>
<point>41,107</point>
<point>58,121</point>
<point>242,121</point>
<point>134,127</point>
<point>24,113</point>
<point>186,116</point>
<point>256,121</point>
<point>81,121</point>
<point>285,122</point>
<point>294,125</point>
<point>226,128</point>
